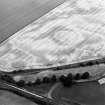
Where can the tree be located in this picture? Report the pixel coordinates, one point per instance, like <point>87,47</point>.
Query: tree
<point>70,76</point>
<point>77,76</point>
<point>85,75</point>
<point>67,82</point>
<point>62,78</point>
<point>53,78</point>
<point>46,80</point>
<point>7,78</point>
<point>37,82</point>
<point>21,83</point>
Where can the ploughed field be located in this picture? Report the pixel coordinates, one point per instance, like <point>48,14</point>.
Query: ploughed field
<point>43,57</point>
<point>69,33</point>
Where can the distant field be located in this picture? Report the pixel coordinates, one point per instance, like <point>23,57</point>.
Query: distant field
<point>7,98</point>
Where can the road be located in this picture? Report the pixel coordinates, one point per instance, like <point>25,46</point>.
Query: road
<point>41,100</point>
